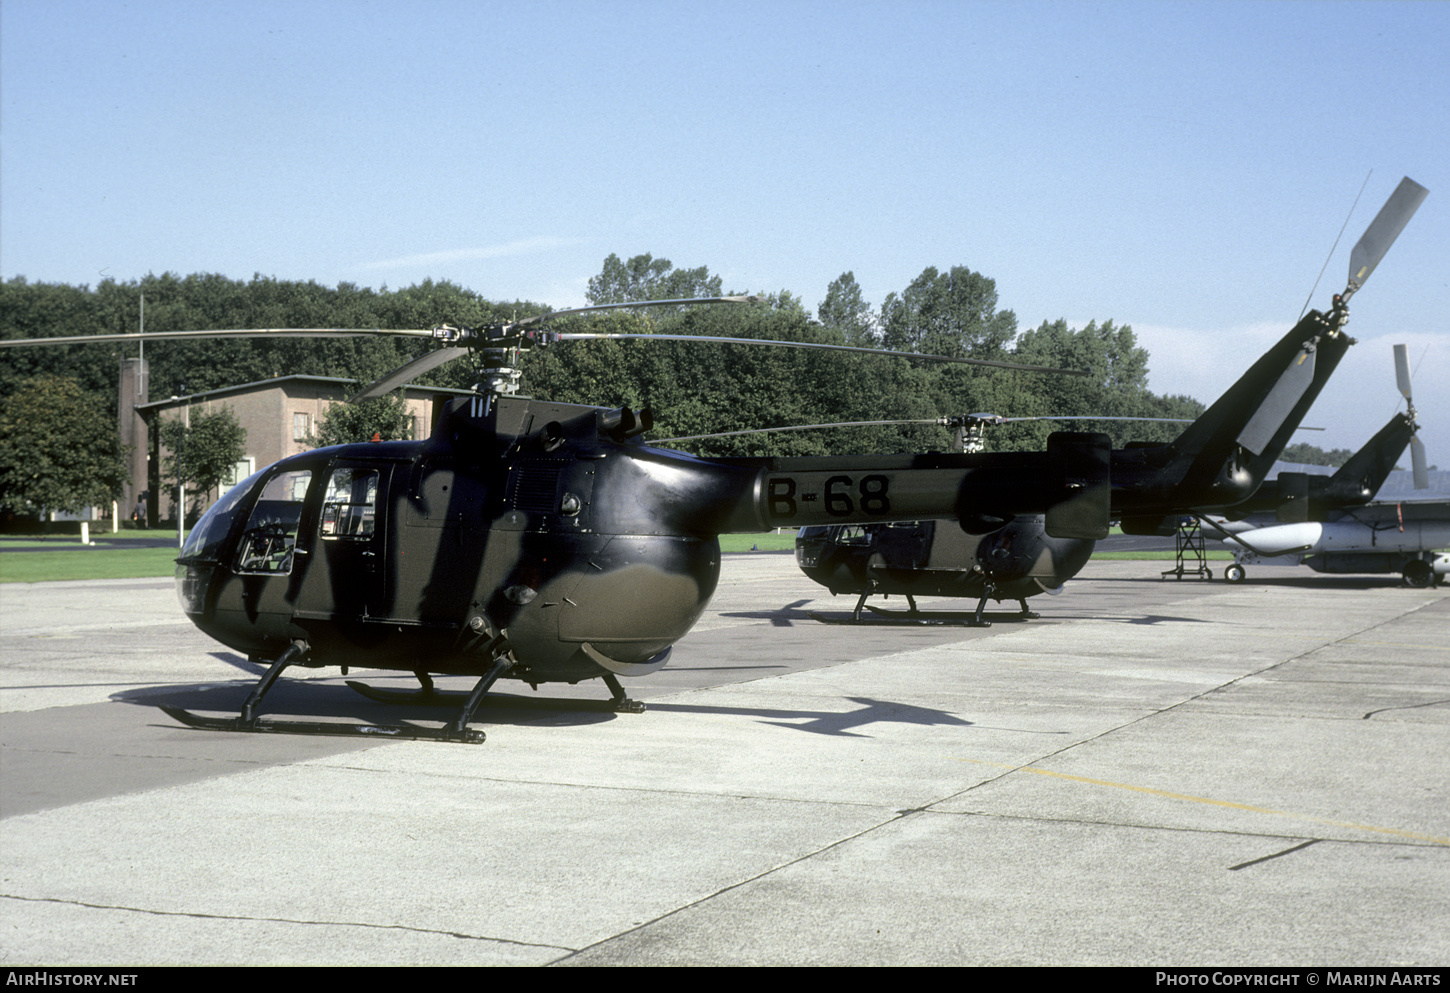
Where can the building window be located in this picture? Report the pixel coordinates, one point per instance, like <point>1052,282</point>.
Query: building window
<point>301,426</point>
<point>240,471</point>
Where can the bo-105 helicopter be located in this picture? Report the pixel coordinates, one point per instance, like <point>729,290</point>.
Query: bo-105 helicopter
<point>937,558</point>
<point>546,542</point>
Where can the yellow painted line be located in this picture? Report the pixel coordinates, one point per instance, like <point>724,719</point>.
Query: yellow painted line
<point>1214,803</point>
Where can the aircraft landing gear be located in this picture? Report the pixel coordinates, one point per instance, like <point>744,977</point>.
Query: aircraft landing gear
<point>1234,573</point>
<point>1418,574</point>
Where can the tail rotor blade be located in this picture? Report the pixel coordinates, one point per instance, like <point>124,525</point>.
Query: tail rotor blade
<point>1402,372</point>
<point>1417,447</point>
<point>1383,231</point>
<point>1417,462</point>
<point>1275,409</point>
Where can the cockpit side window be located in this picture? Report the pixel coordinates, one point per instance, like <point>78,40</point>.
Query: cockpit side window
<point>349,510</point>
<point>207,541</point>
<point>271,534</point>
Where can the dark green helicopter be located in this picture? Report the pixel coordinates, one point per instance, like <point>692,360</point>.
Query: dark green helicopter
<point>548,542</point>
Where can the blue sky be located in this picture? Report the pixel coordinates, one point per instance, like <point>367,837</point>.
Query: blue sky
<point>1182,168</point>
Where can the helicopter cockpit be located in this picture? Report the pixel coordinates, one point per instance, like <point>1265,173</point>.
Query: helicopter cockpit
<point>271,533</point>
<point>206,545</point>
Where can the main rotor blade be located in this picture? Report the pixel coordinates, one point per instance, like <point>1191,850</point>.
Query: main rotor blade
<point>1020,367</point>
<point>794,427</point>
<point>630,306</point>
<point>89,339</point>
<point>408,372</point>
<point>432,360</point>
<point>1383,231</point>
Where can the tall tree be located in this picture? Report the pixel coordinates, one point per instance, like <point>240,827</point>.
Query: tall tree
<point>206,452</point>
<point>948,313</point>
<point>647,278</point>
<point>1306,454</point>
<point>345,423</point>
<point>1116,386</point>
<point>845,309</point>
<point>59,448</point>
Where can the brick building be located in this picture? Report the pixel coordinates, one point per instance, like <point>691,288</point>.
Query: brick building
<point>278,415</point>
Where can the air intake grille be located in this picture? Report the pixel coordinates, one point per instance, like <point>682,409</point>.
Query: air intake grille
<point>536,486</point>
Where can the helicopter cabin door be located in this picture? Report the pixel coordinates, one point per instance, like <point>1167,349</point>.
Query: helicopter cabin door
<point>346,576</point>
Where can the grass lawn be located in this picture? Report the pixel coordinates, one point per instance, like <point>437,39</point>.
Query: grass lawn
<point>34,559</point>
<point>770,541</point>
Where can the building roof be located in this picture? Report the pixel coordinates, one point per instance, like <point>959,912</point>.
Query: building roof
<point>341,382</point>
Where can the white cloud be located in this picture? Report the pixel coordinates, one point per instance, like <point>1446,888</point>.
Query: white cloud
<point>1202,364</point>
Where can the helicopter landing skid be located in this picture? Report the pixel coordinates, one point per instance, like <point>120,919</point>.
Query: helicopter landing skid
<point>263,725</point>
<point>921,618</point>
<point>619,704</point>
<point>972,619</point>
<point>926,618</point>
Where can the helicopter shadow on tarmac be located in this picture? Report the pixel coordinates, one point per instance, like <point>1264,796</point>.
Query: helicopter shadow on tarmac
<point>320,701</point>
<point>1145,619</point>
<point>1321,581</point>
<point>871,711</point>
<point>834,723</point>
<point>781,617</point>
